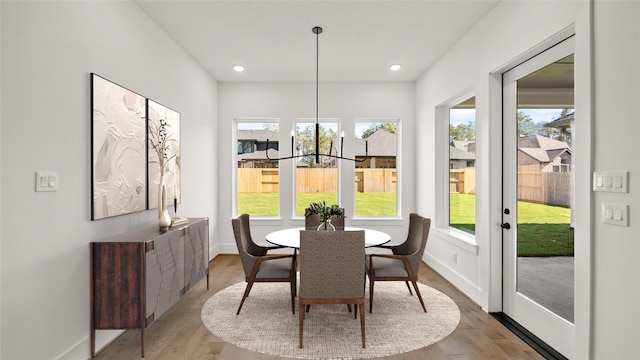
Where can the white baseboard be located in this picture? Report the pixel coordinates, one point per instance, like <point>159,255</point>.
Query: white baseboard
<point>214,251</point>
<point>463,284</point>
<point>227,249</point>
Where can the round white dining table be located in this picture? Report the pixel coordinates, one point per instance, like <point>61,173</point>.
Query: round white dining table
<point>291,237</point>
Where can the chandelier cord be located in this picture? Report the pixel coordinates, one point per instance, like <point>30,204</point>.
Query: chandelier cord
<point>318,30</point>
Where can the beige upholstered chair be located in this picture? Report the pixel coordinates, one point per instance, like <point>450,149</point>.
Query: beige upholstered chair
<point>257,265</point>
<point>405,262</point>
<point>331,271</point>
<point>312,221</point>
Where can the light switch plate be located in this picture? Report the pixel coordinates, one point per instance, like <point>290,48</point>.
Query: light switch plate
<point>615,214</point>
<point>611,181</point>
<point>46,181</point>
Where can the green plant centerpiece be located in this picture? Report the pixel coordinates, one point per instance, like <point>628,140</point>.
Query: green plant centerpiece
<point>325,212</point>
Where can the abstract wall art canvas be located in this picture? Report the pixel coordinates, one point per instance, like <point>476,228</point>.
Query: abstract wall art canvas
<point>119,151</point>
<point>164,128</point>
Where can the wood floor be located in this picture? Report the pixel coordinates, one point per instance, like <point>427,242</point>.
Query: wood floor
<point>180,335</point>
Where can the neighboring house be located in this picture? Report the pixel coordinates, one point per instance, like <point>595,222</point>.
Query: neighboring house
<point>382,150</point>
<point>564,125</point>
<point>462,154</point>
<point>252,144</point>
<point>542,154</point>
<point>251,148</point>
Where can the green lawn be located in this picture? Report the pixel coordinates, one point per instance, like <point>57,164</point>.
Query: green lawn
<point>367,204</point>
<point>258,204</point>
<point>543,230</point>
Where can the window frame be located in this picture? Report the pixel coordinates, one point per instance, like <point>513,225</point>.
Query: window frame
<point>235,159</point>
<point>294,193</point>
<point>398,168</point>
<point>442,200</point>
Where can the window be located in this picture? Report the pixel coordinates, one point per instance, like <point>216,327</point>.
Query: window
<point>376,177</point>
<point>316,182</point>
<point>245,147</point>
<point>462,169</point>
<point>257,176</point>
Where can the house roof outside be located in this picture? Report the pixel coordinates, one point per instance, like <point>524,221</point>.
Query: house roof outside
<point>537,153</point>
<point>380,143</point>
<point>466,145</point>
<point>258,135</point>
<point>542,148</point>
<point>459,154</point>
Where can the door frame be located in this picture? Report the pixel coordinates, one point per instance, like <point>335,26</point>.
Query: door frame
<point>492,258</point>
<point>543,323</point>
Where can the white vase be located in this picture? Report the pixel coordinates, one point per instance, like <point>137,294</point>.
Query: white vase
<point>164,220</point>
<point>326,226</point>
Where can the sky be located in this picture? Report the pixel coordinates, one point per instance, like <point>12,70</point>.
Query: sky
<point>463,116</point>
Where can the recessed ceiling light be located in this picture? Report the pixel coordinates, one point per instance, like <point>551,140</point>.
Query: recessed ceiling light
<point>395,67</point>
<point>238,68</point>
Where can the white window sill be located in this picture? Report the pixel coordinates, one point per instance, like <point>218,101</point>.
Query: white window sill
<point>457,238</point>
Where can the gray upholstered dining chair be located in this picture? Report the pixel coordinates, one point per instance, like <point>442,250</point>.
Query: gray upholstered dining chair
<point>312,221</point>
<point>331,272</point>
<point>257,265</point>
<point>404,263</point>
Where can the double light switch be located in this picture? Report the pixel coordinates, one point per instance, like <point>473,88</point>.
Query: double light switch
<point>615,214</point>
<point>46,181</point>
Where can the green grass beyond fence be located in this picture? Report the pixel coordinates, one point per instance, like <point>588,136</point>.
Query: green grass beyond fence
<point>543,230</point>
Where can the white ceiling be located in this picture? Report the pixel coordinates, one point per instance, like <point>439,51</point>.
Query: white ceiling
<point>274,41</point>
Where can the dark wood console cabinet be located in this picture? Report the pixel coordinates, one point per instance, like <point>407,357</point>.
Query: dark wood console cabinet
<point>136,276</point>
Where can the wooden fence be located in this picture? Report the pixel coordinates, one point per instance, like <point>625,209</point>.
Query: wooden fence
<point>545,188</point>
<point>536,186</point>
<point>462,181</point>
<point>251,180</point>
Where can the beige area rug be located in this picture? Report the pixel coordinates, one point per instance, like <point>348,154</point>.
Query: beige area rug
<point>266,324</point>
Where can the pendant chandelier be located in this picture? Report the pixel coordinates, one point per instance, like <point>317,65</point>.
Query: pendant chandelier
<point>318,30</point>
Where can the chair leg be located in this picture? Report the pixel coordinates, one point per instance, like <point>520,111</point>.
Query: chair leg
<point>295,271</point>
<point>293,296</point>
<point>355,311</point>
<point>362,325</point>
<point>244,296</point>
<point>301,322</point>
<point>408,287</point>
<point>415,286</point>
<point>371,294</point>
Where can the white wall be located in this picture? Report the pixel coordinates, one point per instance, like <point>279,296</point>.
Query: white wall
<point>508,31</point>
<point>290,101</point>
<point>607,280</point>
<point>616,269</point>
<point>0,182</point>
<point>48,50</point>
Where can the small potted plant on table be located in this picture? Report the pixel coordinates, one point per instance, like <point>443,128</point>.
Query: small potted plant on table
<point>325,212</point>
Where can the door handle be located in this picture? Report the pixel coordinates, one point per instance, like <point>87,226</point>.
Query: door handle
<point>505,226</point>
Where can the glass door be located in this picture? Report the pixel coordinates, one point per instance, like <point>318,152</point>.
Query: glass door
<point>538,157</point>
